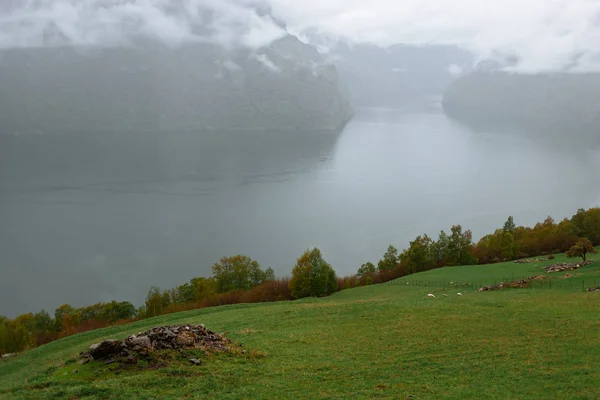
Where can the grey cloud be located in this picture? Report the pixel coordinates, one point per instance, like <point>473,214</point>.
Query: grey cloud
<point>542,35</point>
<point>115,22</point>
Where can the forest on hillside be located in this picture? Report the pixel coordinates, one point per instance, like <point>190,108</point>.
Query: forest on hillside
<point>239,279</point>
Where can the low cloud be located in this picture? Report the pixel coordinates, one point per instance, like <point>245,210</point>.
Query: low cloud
<point>541,35</point>
<point>454,69</point>
<point>34,23</point>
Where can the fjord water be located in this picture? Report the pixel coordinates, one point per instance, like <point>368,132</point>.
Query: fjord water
<point>96,217</point>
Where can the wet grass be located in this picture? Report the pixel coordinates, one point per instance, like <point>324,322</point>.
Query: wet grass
<point>384,341</point>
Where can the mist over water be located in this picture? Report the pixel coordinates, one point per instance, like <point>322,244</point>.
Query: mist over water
<point>87,218</point>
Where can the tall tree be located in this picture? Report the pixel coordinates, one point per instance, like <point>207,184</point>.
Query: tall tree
<point>439,249</point>
<point>509,247</point>
<point>418,255</point>
<point>42,322</point>
<point>460,247</point>
<point>587,224</point>
<point>65,317</point>
<point>312,276</point>
<point>203,288</point>
<point>366,269</point>
<point>509,225</point>
<point>165,299</point>
<point>390,260</point>
<point>153,302</point>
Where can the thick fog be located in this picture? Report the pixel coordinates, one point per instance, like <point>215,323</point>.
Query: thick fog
<point>542,35</point>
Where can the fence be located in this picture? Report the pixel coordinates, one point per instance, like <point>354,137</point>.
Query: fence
<point>533,284</point>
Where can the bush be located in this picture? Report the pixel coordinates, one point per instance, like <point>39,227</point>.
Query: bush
<point>312,276</point>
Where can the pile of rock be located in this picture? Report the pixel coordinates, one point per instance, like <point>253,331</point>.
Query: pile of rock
<point>522,283</point>
<point>596,289</point>
<point>531,260</point>
<point>567,266</point>
<point>164,337</point>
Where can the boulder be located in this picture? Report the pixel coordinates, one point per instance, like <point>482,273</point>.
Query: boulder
<point>105,349</point>
<point>138,343</point>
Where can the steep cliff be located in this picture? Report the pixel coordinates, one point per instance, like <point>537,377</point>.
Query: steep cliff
<point>148,86</point>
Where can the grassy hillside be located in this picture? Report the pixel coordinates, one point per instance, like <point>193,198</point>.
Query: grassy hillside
<point>384,341</point>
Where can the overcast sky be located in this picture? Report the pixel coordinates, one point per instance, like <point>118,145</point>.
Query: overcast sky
<point>544,34</point>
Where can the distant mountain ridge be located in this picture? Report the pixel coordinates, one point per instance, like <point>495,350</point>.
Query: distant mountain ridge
<point>548,104</point>
<point>398,75</point>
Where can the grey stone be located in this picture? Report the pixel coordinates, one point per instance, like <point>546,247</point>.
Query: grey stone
<point>105,349</point>
<point>141,342</point>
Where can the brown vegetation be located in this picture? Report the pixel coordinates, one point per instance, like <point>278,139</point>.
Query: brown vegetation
<point>239,279</point>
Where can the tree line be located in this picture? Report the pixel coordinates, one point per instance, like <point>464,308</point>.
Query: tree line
<point>239,279</point>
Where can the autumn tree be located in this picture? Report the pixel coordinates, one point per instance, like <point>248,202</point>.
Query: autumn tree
<point>565,235</point>
<point>204,287</point>
<point>582,248</point>
<point>165,299</point>
<point>439,250</point>
<point>115,311</point>
<point>239,273</point>
<point>366,269</point>
<point>3,335</point>
<point>183,293</point>
<point>489,247</point>
<point>65,318</point>
<point>390,260</point>
<point>16,334</point>
<point>544,234</point>
<point>153,302</point>
<point>43,323</point>
<point>312,276</point>
<point>587,224</point>
<point>460,247</point>
<point>509,247</point>
<point>509,225</point>
<point>418,255</point>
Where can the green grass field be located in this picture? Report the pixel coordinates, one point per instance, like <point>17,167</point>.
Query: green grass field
<point>384,341</point>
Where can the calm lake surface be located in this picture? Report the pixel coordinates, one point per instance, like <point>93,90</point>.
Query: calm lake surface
<point>99,217</point>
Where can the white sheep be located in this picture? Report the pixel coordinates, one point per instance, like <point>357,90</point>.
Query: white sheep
<point>459,294</point>
<point>431,295</point>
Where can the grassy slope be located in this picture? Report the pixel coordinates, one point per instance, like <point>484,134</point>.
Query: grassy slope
<point>385,341</point>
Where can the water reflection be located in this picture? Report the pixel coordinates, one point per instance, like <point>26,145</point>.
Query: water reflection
<point>92,218</point>
<point>96,216</point>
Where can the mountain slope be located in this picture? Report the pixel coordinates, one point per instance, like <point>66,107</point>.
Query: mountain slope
<point>385,341</point>
<point>150,86</point>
